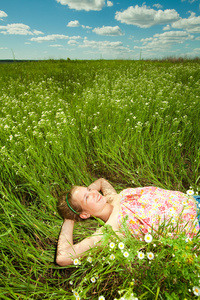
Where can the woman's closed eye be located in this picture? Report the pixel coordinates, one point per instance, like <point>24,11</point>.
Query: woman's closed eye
<point>87,195</point>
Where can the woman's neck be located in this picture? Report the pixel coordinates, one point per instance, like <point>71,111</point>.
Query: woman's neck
<point>105,214</point>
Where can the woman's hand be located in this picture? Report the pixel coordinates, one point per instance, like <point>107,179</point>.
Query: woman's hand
<point>102,185</point>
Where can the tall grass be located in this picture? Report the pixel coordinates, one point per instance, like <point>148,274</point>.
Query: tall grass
<point>70,122</point>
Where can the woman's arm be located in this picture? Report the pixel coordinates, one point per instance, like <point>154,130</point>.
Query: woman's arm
<point>66,251</point>
<point>102,185</point>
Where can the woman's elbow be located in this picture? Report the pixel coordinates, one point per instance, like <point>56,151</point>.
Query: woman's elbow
<point>63,261</point>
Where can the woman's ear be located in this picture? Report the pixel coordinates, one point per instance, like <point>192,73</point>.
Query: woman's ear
<point>84,215</point>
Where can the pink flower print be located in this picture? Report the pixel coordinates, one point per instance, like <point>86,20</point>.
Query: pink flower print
<point>168,204</point>
<point>162,209</point>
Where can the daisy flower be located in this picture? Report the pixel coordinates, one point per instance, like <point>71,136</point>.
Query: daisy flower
<point>93,279</point>
<point>190,192</point>
<point>76,262</point>
<point>75,293</point>
<point>140,255</point>
<point>121,245</point>
<point>196,290</point>
<point>101,298</point>
<point>148,238</point>
<point>112,257</point>
<point>126,254</point>
<point>150,255</point>
<point>112,245</point>
<point>89,259</point>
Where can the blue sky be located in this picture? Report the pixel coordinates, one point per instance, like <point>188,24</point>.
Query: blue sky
<point>95,29</point>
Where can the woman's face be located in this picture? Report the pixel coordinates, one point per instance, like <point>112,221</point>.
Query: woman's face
<point>91,201</point>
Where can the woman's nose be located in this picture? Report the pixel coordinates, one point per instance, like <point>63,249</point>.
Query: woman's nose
<point>93,193</point>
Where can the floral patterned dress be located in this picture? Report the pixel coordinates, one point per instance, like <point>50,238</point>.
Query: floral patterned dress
<point>147,207</point>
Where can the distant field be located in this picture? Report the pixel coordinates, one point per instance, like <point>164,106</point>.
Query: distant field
<point>136,123</point>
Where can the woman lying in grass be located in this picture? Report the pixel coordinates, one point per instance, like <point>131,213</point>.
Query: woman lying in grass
<point>145,207</point>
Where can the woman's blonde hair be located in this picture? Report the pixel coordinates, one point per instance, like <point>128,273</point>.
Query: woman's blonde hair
<point>64,209</point>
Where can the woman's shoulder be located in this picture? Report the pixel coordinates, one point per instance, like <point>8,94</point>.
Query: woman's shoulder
<point>130,191</point>
<point>113,198</point>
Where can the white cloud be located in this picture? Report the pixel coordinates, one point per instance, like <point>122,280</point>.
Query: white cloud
<point>167,27</point>
<point>145,17</point>
<point>178,36</point>
<point>73,24</point>
<point>72,42</point>
<point>109,3</point>
<point>105,47</point>
<point>86,27</point>
<point>192,24</point>
<point>2,14</point>
<point>100,44</point>
<point>190,1</point>
<point>163,41</point>
<point>108,30</point>
<point>3,48</point>
<point>157,5</point>
<point>19,29</point>
<point>56,46</point>
<point>76,23</point>
<point>83,4</point>
<point>37,32</point>
<point>75,37</point>
<point>53,37</point>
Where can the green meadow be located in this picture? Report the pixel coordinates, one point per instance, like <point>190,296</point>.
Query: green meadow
<point>64,123</point>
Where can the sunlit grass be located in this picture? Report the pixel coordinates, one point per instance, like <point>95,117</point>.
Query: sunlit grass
<point>64,123</point>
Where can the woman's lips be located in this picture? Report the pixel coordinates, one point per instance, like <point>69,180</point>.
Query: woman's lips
<point>99,198</point>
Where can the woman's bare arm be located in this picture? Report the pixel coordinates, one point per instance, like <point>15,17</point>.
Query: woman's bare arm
<point>102,185</point>
<point>66,251</point>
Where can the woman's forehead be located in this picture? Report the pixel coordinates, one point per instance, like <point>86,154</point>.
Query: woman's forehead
<point>80,190</point>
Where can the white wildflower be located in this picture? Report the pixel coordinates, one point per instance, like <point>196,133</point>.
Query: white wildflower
<point>148,238</point>
<point>140,255</point>
<point>150,255</point>
<point>112,245</point>
<point>126,254</point>
<point>190,192</point>
<point>121,245</point>
<point>196,290</point>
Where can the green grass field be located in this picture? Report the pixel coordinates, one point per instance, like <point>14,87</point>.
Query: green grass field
<point>135,123</point>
